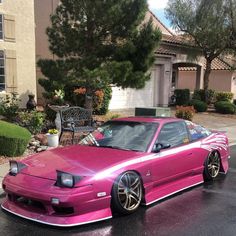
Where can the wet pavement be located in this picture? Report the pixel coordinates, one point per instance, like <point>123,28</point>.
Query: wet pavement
<point>208,209</point>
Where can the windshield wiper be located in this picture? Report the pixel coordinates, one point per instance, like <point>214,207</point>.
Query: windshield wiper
<point>119,148</point>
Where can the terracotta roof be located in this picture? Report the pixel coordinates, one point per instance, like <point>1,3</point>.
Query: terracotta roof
<point>217,64</point>
<point>177,39</point>
<point>165,51</point>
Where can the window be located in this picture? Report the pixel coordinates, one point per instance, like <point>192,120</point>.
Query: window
<point>2,71</point>
<point>174,133</point>
<point>197,131</point>
<point>1,25</point>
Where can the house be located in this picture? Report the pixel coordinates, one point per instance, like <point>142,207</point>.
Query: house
<point>172,68</point>
<point>17,48</point>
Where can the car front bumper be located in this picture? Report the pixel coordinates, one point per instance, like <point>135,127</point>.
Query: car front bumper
<point>34,203</point>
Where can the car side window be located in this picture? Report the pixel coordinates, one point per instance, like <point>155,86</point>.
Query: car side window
<point>174,133</point>
<point>197,131</point>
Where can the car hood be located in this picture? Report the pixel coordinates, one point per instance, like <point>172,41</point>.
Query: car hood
<point>77,160</point>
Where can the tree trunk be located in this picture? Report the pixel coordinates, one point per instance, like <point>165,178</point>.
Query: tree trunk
<point>89,99</point>
<point>207,78</point>
<point>207,74</point>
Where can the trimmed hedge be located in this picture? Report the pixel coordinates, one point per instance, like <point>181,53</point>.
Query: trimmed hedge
<point>198,105</point>
<point>13,139</point>
<point>200,94</point>
<point>225,107</point>
<point>182,96</point>
<point>224,96</point>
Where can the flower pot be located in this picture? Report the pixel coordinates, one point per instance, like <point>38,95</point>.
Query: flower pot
<point>53,140</point>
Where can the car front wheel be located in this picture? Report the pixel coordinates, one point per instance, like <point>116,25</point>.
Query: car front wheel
<point>212,166</point>
<point>127,193</point>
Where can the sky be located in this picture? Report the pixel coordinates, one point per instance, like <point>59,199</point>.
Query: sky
<point>157,7</point>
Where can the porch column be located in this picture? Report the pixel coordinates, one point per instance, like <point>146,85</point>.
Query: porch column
<point>199,77</point>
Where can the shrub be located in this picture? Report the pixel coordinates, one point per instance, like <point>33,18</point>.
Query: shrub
<point>224,96</point>
<point>33,121</point>
<point>106,100</point>
<point>225,107</point>
<point>9,106</point>
<point>198,105</point>
<point>182,96</point>
<point>13,139</point>
<point>208,96</point>
<point>186,113</point>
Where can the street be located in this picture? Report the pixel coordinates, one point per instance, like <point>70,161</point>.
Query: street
<point>208,209</point>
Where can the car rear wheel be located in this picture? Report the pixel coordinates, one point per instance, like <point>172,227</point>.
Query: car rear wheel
<point>212,166</point>
<point>127,193</point>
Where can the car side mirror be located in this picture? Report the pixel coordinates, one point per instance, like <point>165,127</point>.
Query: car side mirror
<point>160,146</point>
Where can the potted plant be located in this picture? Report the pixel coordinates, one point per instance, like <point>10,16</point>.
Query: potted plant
<point>53,137</point>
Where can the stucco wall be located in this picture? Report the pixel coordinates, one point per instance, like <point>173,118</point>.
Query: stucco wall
<point>219,80</point>
<point>24,45</point>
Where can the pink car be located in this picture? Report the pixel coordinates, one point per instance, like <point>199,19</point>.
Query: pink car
<point>122,164</point>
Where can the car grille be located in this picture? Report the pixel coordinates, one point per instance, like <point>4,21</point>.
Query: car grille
<point>39,207</point>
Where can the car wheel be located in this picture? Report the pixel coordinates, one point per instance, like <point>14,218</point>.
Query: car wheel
<point>127,193</point>
<point>212,166</point>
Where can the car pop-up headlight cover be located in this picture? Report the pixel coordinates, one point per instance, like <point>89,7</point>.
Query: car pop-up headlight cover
<point>66,179</point>
<point>16,167</point>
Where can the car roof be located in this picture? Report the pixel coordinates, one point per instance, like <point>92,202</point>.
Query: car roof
<point>152,119</point>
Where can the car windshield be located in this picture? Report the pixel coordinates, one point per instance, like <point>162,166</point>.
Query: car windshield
<point>123,135</point>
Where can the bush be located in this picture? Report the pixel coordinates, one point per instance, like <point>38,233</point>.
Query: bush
<point>13,139</point>
<point>106,100</point>
<point>33,121</point>
<point>208,96</point>
<point>225,107</point>
<point>186,113</point>
<point>182,96</point>
<point>224,96</point>
<point>198,105</point>
<point>9,106</point>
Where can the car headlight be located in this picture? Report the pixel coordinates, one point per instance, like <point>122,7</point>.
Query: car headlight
<point>66,179</point>
<point>16,167</point>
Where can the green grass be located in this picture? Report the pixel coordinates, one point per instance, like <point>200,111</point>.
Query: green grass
<point>13,139</point>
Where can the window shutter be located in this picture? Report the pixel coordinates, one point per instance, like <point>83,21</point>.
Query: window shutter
<point>9,28</point>
<point>11,75</point>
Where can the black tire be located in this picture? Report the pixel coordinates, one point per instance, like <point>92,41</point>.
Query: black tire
<point>212,166</point>
<point>126,193</point>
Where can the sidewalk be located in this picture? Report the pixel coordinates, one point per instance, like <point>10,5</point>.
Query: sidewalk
<point>208,120</point>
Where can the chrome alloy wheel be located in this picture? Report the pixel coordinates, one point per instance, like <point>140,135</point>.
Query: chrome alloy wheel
<point>213,164</point>
<point>129,191</point>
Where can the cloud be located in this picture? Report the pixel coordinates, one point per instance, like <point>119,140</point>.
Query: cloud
<point>157,4</point>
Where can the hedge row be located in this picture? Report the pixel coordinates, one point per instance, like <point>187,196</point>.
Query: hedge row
<point>13,139</point>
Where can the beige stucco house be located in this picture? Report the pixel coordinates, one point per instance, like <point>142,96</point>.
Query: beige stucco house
<point>17,48</point>
<point>172,68</point>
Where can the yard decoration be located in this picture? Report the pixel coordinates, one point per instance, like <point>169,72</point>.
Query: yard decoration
<point>53,137</point>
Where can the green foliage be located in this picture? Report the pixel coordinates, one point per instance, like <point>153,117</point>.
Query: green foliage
<point>205,96</point>
<point>106,100</point>
<point>9,106</point>
<point>182,96</point>
<point>198,105</point>
<point>225,107</point>
<point>209,23</point>
<point>224,96</point>
<point>99,43</point>
<point>13,139</point>
<point>33,121</point>
<point>185,112</point>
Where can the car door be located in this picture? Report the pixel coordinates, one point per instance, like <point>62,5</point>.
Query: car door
<point>172,163</point>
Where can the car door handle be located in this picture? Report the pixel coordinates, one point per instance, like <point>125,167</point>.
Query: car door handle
<point>190,154</point>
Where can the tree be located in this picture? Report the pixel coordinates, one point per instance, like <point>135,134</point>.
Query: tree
<point>97,43</point>
<point>207,23</point>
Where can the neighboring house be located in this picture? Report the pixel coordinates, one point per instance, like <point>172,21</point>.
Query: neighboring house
<point>172,68</point>
<point>17,48</point>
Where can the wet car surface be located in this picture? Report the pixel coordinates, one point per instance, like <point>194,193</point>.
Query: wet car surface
<point>208,209</point>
